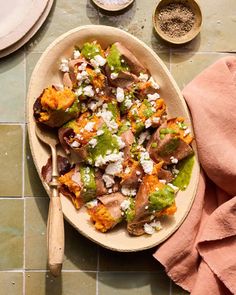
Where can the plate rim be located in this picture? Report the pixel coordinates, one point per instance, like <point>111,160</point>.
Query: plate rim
<point>25,25</point>
<point>184,105</point>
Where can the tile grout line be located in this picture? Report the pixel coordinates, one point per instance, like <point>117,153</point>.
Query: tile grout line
<point>98,266</point>
<point>23,175</point>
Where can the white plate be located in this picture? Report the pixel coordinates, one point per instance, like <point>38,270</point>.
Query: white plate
<point>46,73</point>
<point>30,34</point>
<point>17,17</point>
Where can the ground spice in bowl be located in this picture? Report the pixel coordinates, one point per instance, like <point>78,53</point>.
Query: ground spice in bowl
<point>176,19</point>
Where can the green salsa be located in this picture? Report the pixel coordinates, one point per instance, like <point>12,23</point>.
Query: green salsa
<point>130,212</point>
<point>165,131</point>
<point>89,50</point>
<point>124,127</point>
<point>114,60</point>
<point>161,199</point>
<point>87,174</point>
<point>147,112</point>
<point>105,142</point>
<point>113,108</point>
<point>185,168</point>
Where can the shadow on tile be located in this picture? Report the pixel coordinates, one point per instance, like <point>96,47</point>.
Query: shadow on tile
<point>134,261</point>
<point>33,184</point>
<point>129,283</point>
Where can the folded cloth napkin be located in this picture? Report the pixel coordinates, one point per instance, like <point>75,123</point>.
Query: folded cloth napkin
<point>201,255</point>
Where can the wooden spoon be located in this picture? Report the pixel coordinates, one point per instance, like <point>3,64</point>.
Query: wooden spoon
<point>55,223</point>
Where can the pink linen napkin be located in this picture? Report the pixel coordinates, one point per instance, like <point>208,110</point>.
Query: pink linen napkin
<point>201,255</point>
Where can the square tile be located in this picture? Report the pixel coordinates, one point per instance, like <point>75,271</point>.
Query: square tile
<point>12,85</point>
<point>187,65</point>
<point>64,16</point>
<point>136,261</point>
<point>80,253</point>
<point>11,283</point>
<point>69,283</point>
<point>11,160</point>
<point>129,283</point>
<point>11,233</point>
<point>33,186</point>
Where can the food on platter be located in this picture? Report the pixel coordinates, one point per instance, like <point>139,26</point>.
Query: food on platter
<point>129,158</point>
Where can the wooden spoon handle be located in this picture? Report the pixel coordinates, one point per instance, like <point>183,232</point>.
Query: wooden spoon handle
<point>56,240</point>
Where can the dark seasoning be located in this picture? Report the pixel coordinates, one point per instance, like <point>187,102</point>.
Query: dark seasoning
<point>176,19</point>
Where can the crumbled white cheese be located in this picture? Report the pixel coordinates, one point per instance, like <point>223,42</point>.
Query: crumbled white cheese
<point>92,204</point>
<point>148,229</point>
<point>93,105</point>
<point>143,77</point>
<point>186,132</point>
<point>114,168</point>
<point>81,76</point>
<point>128,103</point>
<point>175,171</point>
<point>109,190</point>
<point>153,83</point>
<point>146,208</point>
<point>75,144</point>
<point>156,120</point>
<point>173,160</point>
<point>138,173</point>
<point>108,179</point>
<point>143,136</point>
<point>97,71</point>
<point>175,188</point>
<point>100,132</point>
<point>76,54</point>
<point>120,142</point>
<point>148,123</point>
<point>64,66</point>
<point>94,63</point>
<point>102,160</point>
<point>125,205</point>
<point>108,119</point>
<point>127,170</point>
<point>114,76</point>
<point>127,191</point>
<point>79,91</point>
<point>100,60</point>
<point>89,126</point>
<point>156,225</point>
<point>120,95</point>
<point>153,97</point>
<point>146,162</point>
<point>82,67</point>
<point>162,181</point>
<point>88,91</point>
<point>93,142</point>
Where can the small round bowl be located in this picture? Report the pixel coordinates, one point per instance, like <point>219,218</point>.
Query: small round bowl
<point>112,7</point>
<point>194,6</point>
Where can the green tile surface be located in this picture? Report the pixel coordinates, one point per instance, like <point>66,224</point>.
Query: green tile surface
<point>140,261</point>
<point>11,234</point>
<point>11,160</point>
<point>32,184</point>
<point>87,268</point>
<point>12,85</point>
<point>80,253</point>
<point>70,283</point>
<point>129,283</point>
<point>11,283</point>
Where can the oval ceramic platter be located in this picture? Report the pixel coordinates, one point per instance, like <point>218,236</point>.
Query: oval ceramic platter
<point>46,73</point>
